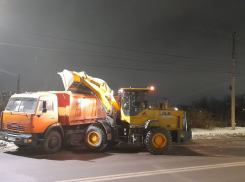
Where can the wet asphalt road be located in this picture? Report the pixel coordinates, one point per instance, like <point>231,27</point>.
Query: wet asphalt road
<point>198,160</point>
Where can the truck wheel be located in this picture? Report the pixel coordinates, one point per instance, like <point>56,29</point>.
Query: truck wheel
<point>158,141</point>
<point>95,138</point>
<point>52,142</point>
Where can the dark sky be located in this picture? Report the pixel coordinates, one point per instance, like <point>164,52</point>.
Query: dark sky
<point>183,48</point>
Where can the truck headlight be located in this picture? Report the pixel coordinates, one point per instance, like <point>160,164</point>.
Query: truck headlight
<point>1,137</point>
<point>26,140</point>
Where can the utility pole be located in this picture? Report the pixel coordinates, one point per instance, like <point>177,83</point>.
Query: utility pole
<point>233,62</point>
<point>18,84</point>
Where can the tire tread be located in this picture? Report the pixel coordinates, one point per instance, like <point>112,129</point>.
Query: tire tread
<point>103,144</point>
<point>148,142</point>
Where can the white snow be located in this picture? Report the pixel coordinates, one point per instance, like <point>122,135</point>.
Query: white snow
<point>4,146</point>
<point>217,132</point>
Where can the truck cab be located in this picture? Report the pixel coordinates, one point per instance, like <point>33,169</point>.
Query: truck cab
<point>27,116</point>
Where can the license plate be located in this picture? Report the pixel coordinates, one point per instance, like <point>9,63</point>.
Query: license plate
<point>11,138</point>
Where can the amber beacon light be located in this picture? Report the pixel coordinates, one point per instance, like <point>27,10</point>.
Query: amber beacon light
<point>152,88</point>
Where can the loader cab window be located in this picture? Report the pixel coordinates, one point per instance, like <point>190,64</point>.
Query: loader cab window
<point>126,103</point>
<point>133,102</point>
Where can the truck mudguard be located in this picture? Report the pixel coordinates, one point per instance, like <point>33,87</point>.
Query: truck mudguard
<point>107,128</point>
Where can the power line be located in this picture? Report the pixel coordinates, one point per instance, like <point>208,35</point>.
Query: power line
<point>35,47</point>
<point>194,93</point>
<point>57,50</point>
<point>114,47</point>
<point>174,67</point>
<point>117,56</point>
<point>168,71</point>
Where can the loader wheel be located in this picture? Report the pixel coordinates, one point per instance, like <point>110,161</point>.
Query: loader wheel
<point>95,138</point>
<point>158,141</point>
<point>52,143</point>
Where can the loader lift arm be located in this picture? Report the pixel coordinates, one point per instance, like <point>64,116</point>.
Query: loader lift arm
<point>82,83</point>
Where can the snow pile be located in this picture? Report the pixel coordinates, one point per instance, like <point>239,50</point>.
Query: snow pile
<point>217,132</point>
<point>7,145</point>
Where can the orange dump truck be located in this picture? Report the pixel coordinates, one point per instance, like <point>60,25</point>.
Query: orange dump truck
<point>49,119</point>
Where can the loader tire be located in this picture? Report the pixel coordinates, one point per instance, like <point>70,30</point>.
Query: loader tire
<point>52,142</point>
<point>95,138</point>
<point>158,141</point>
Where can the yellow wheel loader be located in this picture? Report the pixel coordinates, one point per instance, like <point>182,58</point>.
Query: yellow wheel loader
<point>128,116</point>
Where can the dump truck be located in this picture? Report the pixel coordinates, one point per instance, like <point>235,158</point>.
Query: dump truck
<point>88,112</point>
<point>48,119</point>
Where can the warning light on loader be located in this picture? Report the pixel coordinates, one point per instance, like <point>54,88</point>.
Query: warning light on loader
<point>152,88</point>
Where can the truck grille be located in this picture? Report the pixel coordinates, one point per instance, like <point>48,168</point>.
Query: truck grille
<point>15,127</point>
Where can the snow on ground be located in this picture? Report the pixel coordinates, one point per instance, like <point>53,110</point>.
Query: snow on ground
<point>215,133</point>
<point>4,146</point>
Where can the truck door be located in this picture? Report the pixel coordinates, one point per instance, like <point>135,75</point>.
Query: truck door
<point>42,120</point>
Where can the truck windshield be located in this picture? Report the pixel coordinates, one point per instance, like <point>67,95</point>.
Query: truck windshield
<point>22,104</point>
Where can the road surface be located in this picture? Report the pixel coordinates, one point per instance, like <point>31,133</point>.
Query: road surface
<point>198,160</point>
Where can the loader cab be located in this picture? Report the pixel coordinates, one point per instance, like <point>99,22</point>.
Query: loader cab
<point>134,101</point>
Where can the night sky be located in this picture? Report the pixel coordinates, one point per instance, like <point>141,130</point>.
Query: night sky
<point>183,48</point>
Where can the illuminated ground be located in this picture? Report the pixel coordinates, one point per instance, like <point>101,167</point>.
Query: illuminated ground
<point>197,160</point>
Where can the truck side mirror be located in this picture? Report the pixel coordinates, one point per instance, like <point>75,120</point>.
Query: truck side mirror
<point>44,106</point>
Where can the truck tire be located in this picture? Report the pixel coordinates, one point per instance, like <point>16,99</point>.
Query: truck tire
<point>95,138</point>
<point>52,142</point>
<point>158,141</point>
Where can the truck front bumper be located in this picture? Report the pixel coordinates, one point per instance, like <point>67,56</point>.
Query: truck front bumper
<point>181,136</point>
<point>19,138</point>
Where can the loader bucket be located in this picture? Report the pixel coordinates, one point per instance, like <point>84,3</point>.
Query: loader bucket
<point>73,83</point>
